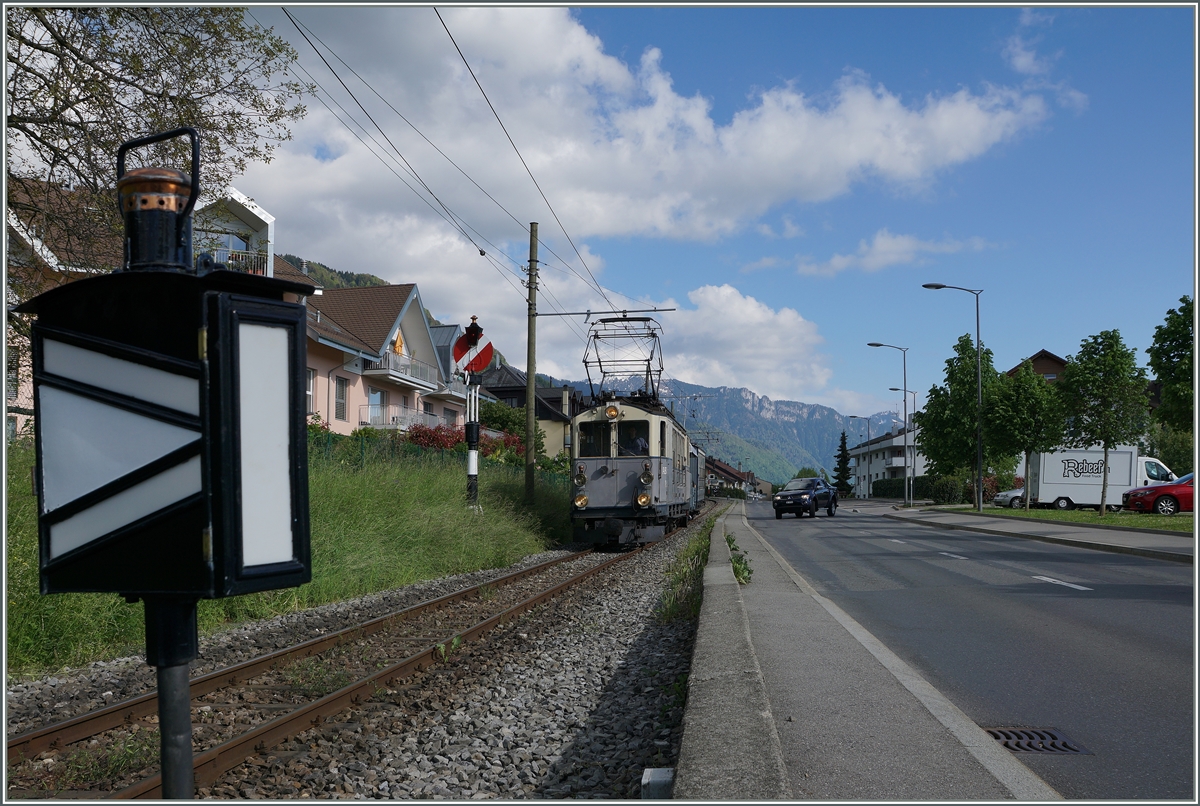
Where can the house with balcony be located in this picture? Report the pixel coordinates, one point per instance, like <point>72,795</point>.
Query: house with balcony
<point>372,362</point>
<point>883,457</point>
<point>237,233</point>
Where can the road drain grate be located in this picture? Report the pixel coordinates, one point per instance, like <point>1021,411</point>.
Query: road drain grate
<point>1037,740</point>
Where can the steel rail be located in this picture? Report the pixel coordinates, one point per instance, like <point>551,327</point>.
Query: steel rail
<point>60,734</point>
<point>212,763</point>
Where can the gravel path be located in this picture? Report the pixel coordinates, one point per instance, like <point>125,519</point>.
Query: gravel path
<point>573,700</point>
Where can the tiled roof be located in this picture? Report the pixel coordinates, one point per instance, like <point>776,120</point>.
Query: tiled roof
<point>368,313</point>
<point>322,326</point>
<point>504,375</point>
<point>286,271</point>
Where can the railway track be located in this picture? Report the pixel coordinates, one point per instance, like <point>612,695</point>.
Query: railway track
<point>245,709</point>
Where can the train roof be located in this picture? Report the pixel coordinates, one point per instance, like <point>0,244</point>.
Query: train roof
<point>638,399</point>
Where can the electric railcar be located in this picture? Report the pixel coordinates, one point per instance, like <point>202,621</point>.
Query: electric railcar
<point>635,472</point>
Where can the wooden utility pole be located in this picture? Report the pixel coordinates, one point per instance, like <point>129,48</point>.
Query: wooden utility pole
<point>531,369</point>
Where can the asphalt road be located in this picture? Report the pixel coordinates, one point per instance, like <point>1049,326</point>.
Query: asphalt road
<point>1020,633</point>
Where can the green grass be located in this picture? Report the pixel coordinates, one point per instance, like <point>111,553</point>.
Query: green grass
<point>375,525</point>
<point>682,597</point>
<point>1183,522</point>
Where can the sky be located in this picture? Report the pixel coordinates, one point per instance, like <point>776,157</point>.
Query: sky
<point>786,178</point>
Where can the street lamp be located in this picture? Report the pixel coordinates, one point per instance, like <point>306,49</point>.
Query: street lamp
<point>979,385</point>
<point>904,356</point>
<point>906,459</point>
<point>868,446</point>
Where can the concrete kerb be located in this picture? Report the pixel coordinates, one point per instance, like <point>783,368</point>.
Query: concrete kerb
<point>1065,541</point>
<point>730,749</point>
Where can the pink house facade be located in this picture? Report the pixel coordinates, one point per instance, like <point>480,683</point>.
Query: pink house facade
<point>372,361</point>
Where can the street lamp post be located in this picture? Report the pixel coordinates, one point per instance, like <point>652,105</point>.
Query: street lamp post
<point>979,386</point>
<point>868,447</point>
<point>907,461</point>
<point>904,364</point>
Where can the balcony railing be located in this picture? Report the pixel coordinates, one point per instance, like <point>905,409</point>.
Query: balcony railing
<point>399,417</point>
<point>239,260</point>
<point>406,365</point>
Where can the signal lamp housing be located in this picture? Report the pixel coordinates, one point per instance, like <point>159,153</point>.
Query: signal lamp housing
<point>646,478</point>
<point>580,480</point>
<point>643,499</point>
<point>581,501</point>
<point>612,411</point>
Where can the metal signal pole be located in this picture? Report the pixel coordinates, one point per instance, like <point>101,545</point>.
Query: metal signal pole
<point>531,368</point>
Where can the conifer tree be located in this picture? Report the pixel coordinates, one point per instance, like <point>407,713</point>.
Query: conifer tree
<point>841,471</point>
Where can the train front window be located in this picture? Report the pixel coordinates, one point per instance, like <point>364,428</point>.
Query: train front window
<point>593,440</point>
<point>633,439</point>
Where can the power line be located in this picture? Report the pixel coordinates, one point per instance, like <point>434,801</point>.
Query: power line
<point>451,218</point>
<point>523,163</point>
<point>469,178</point>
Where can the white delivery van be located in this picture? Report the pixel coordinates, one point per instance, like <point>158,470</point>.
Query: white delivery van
<point>1066,479</point>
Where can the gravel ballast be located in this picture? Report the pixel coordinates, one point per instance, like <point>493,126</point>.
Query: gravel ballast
<point>573,700</point>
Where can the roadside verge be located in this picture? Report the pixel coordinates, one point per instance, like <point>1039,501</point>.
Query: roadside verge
<point>730,748</point>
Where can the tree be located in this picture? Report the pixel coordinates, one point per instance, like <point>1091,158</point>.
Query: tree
<point>1104,397</point>
<point>1171,363</point>
<point>1175,448</point>
<point>1025,414</point>
<point>841,471</point>
<point>81,81</point>
<point>947,426</point>
<point>510,420</point>
<point>807,472</point>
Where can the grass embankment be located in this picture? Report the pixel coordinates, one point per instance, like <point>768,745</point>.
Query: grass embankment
<point>374,526</point>
<point>685,575</point>
<point>1183,522</point>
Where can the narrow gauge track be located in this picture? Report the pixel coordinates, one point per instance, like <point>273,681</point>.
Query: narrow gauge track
<point>237,710</point>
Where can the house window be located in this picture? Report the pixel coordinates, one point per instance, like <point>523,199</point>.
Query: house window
<point>450,416</point>
<point>1050,376</point>
<point>12,379</point>
<point>339,399</point>
<point>310,391</point>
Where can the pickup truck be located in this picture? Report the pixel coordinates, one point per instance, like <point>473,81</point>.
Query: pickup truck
<point>805,495</point>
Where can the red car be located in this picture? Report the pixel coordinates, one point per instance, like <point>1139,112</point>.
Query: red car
<point>1164,499</point>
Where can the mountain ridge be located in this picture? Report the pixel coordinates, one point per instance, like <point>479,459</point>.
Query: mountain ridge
<point>783,435</point>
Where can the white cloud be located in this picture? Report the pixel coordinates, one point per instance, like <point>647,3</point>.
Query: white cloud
<point>886,249</point>
<point>782,359</point>
<point>616,149</point>
<point>618,152</point>
<point>1022,58</point>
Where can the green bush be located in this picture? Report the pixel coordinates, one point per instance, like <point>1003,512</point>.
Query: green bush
<point>888,488</point>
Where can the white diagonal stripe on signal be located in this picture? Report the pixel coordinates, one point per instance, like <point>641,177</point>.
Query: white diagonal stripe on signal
<point>177,392</point>
<point>87,444</point>
<point>173,484</point>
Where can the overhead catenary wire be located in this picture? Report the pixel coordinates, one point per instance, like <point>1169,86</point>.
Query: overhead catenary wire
<point>452,218</point>
<point>522,159</point>
<point>569,269</point>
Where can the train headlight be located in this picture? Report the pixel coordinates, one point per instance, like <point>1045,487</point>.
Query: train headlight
<point>581,501</point>
<point>646,478</point>
<point>611,412</point>
<point>581,480</point>
<point>643,499</point>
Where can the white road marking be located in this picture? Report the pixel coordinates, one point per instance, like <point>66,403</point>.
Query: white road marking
<point>955,556</point>
<point>894,540</point>
<point>1060,582</point>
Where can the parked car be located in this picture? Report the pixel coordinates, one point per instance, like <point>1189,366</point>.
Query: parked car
<point>1010,498</point>
<point>805,495</point>
<point>1161,499</point>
